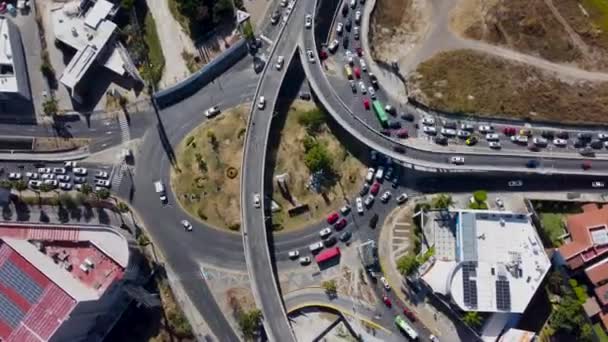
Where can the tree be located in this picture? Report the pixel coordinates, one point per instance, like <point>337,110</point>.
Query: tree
<point>127,4</point>
<point>212,139</point>
<point>330,287</point>
<point>248,30</point>
<point>480,196</point>
<point>586,333</point>
<point>249,322</point>
<point>407,264</point>
<point>86,189</point>
<point>318,159</point>
<point>45,187</point>
<point>102,194</point>
<point>4,183</point>
<point>67,201</point>
<point>568,315</point>
<point>50,106</point>
<point>555,282</point>
<point>442,201</point>
<point>313,120</point>
<point>222,8</point>
<point>472,319</point>
<point>20,186</point>
<point>122,207</point>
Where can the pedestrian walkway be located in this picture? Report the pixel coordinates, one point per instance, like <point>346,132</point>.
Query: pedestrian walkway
<point>125,135</point>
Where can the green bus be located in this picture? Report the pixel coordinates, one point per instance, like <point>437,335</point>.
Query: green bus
<point>406,328</point>
<point>380,113</point>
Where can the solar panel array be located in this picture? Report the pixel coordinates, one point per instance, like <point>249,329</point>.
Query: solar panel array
<point>15,278</point>
<point>469,286</point>
<point>469,236</point>
<point>503,295</point>
<point>9,312</point>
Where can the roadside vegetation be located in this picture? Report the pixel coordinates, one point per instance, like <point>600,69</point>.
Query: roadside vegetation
<point>153,70</point>
<point>319,172</point>
<point>552,215</point>
<point>467,82</point>
<point>209,160</point>
<point>199,17</point>
<point>479,200</point>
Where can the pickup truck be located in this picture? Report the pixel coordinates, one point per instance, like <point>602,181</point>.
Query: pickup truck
<point>160,190</point>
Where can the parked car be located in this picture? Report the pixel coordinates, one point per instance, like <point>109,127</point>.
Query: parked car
<point>401,198</point>
<point>305,260</point>
<point>79,180</point>
<point>387,301</point>
<point>364,190</point>
<point>486,129</point>
<point>409,314</point>
<point>340,224</point>
<point>63,178</point>
<point>59,170</point>
<point>102,182</point>
<point>339,29</point>
<point>330,241</point>
<point>345,236</point>
<point>332,218</point>
<point>34,184</point>
<point>315,247</point>
<point>345,210</point>
<point>14,176</point>
<point>44,170</point>
<point>65,186</point>
<point>80,171</point>
<point>373,221</point>
<point>494,145</point>
<point>359,203</point>
<point>384,282</point>
<point>369,201</point>
<point>560,142</point>
<point>294,254</point>
<point>101,174</point>
<point>385,196</point>
<point>325,232</point>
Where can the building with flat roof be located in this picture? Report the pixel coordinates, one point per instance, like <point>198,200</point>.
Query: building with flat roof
<point>57,283</point>
<point>89,31</point>
<point>490,261</point>
<point>15,93</point>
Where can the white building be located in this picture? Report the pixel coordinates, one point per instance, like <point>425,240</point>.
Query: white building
<point>493,262</point>
<point>14,84</point>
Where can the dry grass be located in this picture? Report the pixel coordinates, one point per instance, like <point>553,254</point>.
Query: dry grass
<point>290,160</point>
<point>469,82</point>
<point>57,144</point>
<point>593,29</point>
<point>204,190</point>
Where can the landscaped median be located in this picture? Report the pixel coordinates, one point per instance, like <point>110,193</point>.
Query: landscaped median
<point>206,180</point>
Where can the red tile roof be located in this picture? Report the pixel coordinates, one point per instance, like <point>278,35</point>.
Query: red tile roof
<point>598,272</point>
<point>602,294</point>
<point>582,249</point>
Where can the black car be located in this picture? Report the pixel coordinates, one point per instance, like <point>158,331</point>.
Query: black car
<point>585,136</point>
<point>395,182</point>
<point>373,221</point>
<point>548,135</point>
<point>353,86</point>
<point>441,140</point>
<point>596,144</point>
<point>330,241</point>
<point>345,42</point>
<point>373,79</point>
<point>579,143</point>
<point>348,25</point>
<point>345,10</point>
<point>274,19</point>
<point>586,151</point>
<point>364,190</point>
<point>532,163</point>
<point>399,149</point>
<point>345,236</point>
<point>407,116</point>
<point>449,124</point>
<point>563,135</point>
<point>394,124</point>
<point>305,96</point>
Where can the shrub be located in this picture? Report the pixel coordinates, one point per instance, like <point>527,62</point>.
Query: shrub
<point>318,159</point>
<point>313,120</point>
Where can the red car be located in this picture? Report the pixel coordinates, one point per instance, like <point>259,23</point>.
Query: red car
<point>340,224</point>
<point>359,52</point>
<point>509,131</point>
<point>387,301</point>
<point>409,314</point>
<point>332,218</point>
<point>402,133</point>
<point>323,54</point>
<point>357,72</point>
<point>375,188</point>
<point>366,103</point>
<point>586,165</point>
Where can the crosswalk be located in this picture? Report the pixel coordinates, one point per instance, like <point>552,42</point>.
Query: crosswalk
<point>125,135</point>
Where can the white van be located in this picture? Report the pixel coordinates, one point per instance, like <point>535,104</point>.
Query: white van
<point>160,190</point>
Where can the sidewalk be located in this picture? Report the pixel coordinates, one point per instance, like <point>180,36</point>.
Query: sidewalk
<point>77,154</point>
<point>391,245</point>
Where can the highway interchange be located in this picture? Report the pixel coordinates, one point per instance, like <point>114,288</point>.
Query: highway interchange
<point>184,252</point>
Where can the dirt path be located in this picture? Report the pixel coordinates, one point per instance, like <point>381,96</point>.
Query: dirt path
<point>173,41</point>
<point>574,37</point>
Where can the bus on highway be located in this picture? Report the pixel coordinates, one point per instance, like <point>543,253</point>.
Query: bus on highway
<point>406,328</point>
<point>380,113</point>
<point>349,72</point>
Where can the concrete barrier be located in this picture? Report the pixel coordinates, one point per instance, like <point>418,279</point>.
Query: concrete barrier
<point>201,78</point>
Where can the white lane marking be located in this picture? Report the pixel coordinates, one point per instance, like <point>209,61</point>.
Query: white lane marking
<point>266,39</point>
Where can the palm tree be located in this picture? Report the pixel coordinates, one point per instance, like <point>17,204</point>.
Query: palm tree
<point>6,184</point>
<point>442,201</point>
<point>472,319</point>
<point>20,186</point>
<point>123,207</point>
<point>102,194</point>
<point>86,189</point>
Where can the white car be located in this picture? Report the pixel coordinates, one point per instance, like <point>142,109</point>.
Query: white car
<point>280,62</point>
<point>457,160</point>
<point>65,186</point>
<point>187,225</point>
<point>520,139</point>
<point>339,29</point>
<point>428,121</point>
<point>387,287</point>
<point>401,198</point>
<point>316,246</point>
<point>304,260</point>
<point>14,176</point>
<point>540,142</point>
<point>463,134</point>
<point>261,102</point>
<point>353,4</point>
<point>363,64</point>
<point>47,176</point>
<point>256,200</point>
<point>369,200</point>
<point>372,92</point>
<point>102,174</point>
<point>362,87</point>
<point>560,142</point>
<point>63,178</point>
<point>311,56</point>
<point>31,175</point>
<point>345,210</point>
<point>81,171</point>
<point>433,338</point>
<point>429,130</point>
<point>359,202</point>
<point>59,170</point>
<point>34,184</point>
<point>448,132</point>
<point>325,232</point>
<point>380,173</point>
<point>51,182</point>
<point>357,17</point>
<point>385,196</point>
<point>515,183</point>
<point>294,254</point>
<point>102,182</point>
<point>486,129</point>
<point>70,164</point>
<point>598,184</point>
<point>492,137</point>
<point>308,21</point>
<point>500,203</point>
<point>80,180</point>
<point>494,144</point>
<point>370,175</point>
<point>602,136</point>
<point>44,170</point>
<point>209,113</point>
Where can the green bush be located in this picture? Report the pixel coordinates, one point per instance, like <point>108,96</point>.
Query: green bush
<point>318,159</point>
<point>407,264</point>
<point>313,120</point>
<point>480,196</point>
<point>153,71</point>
